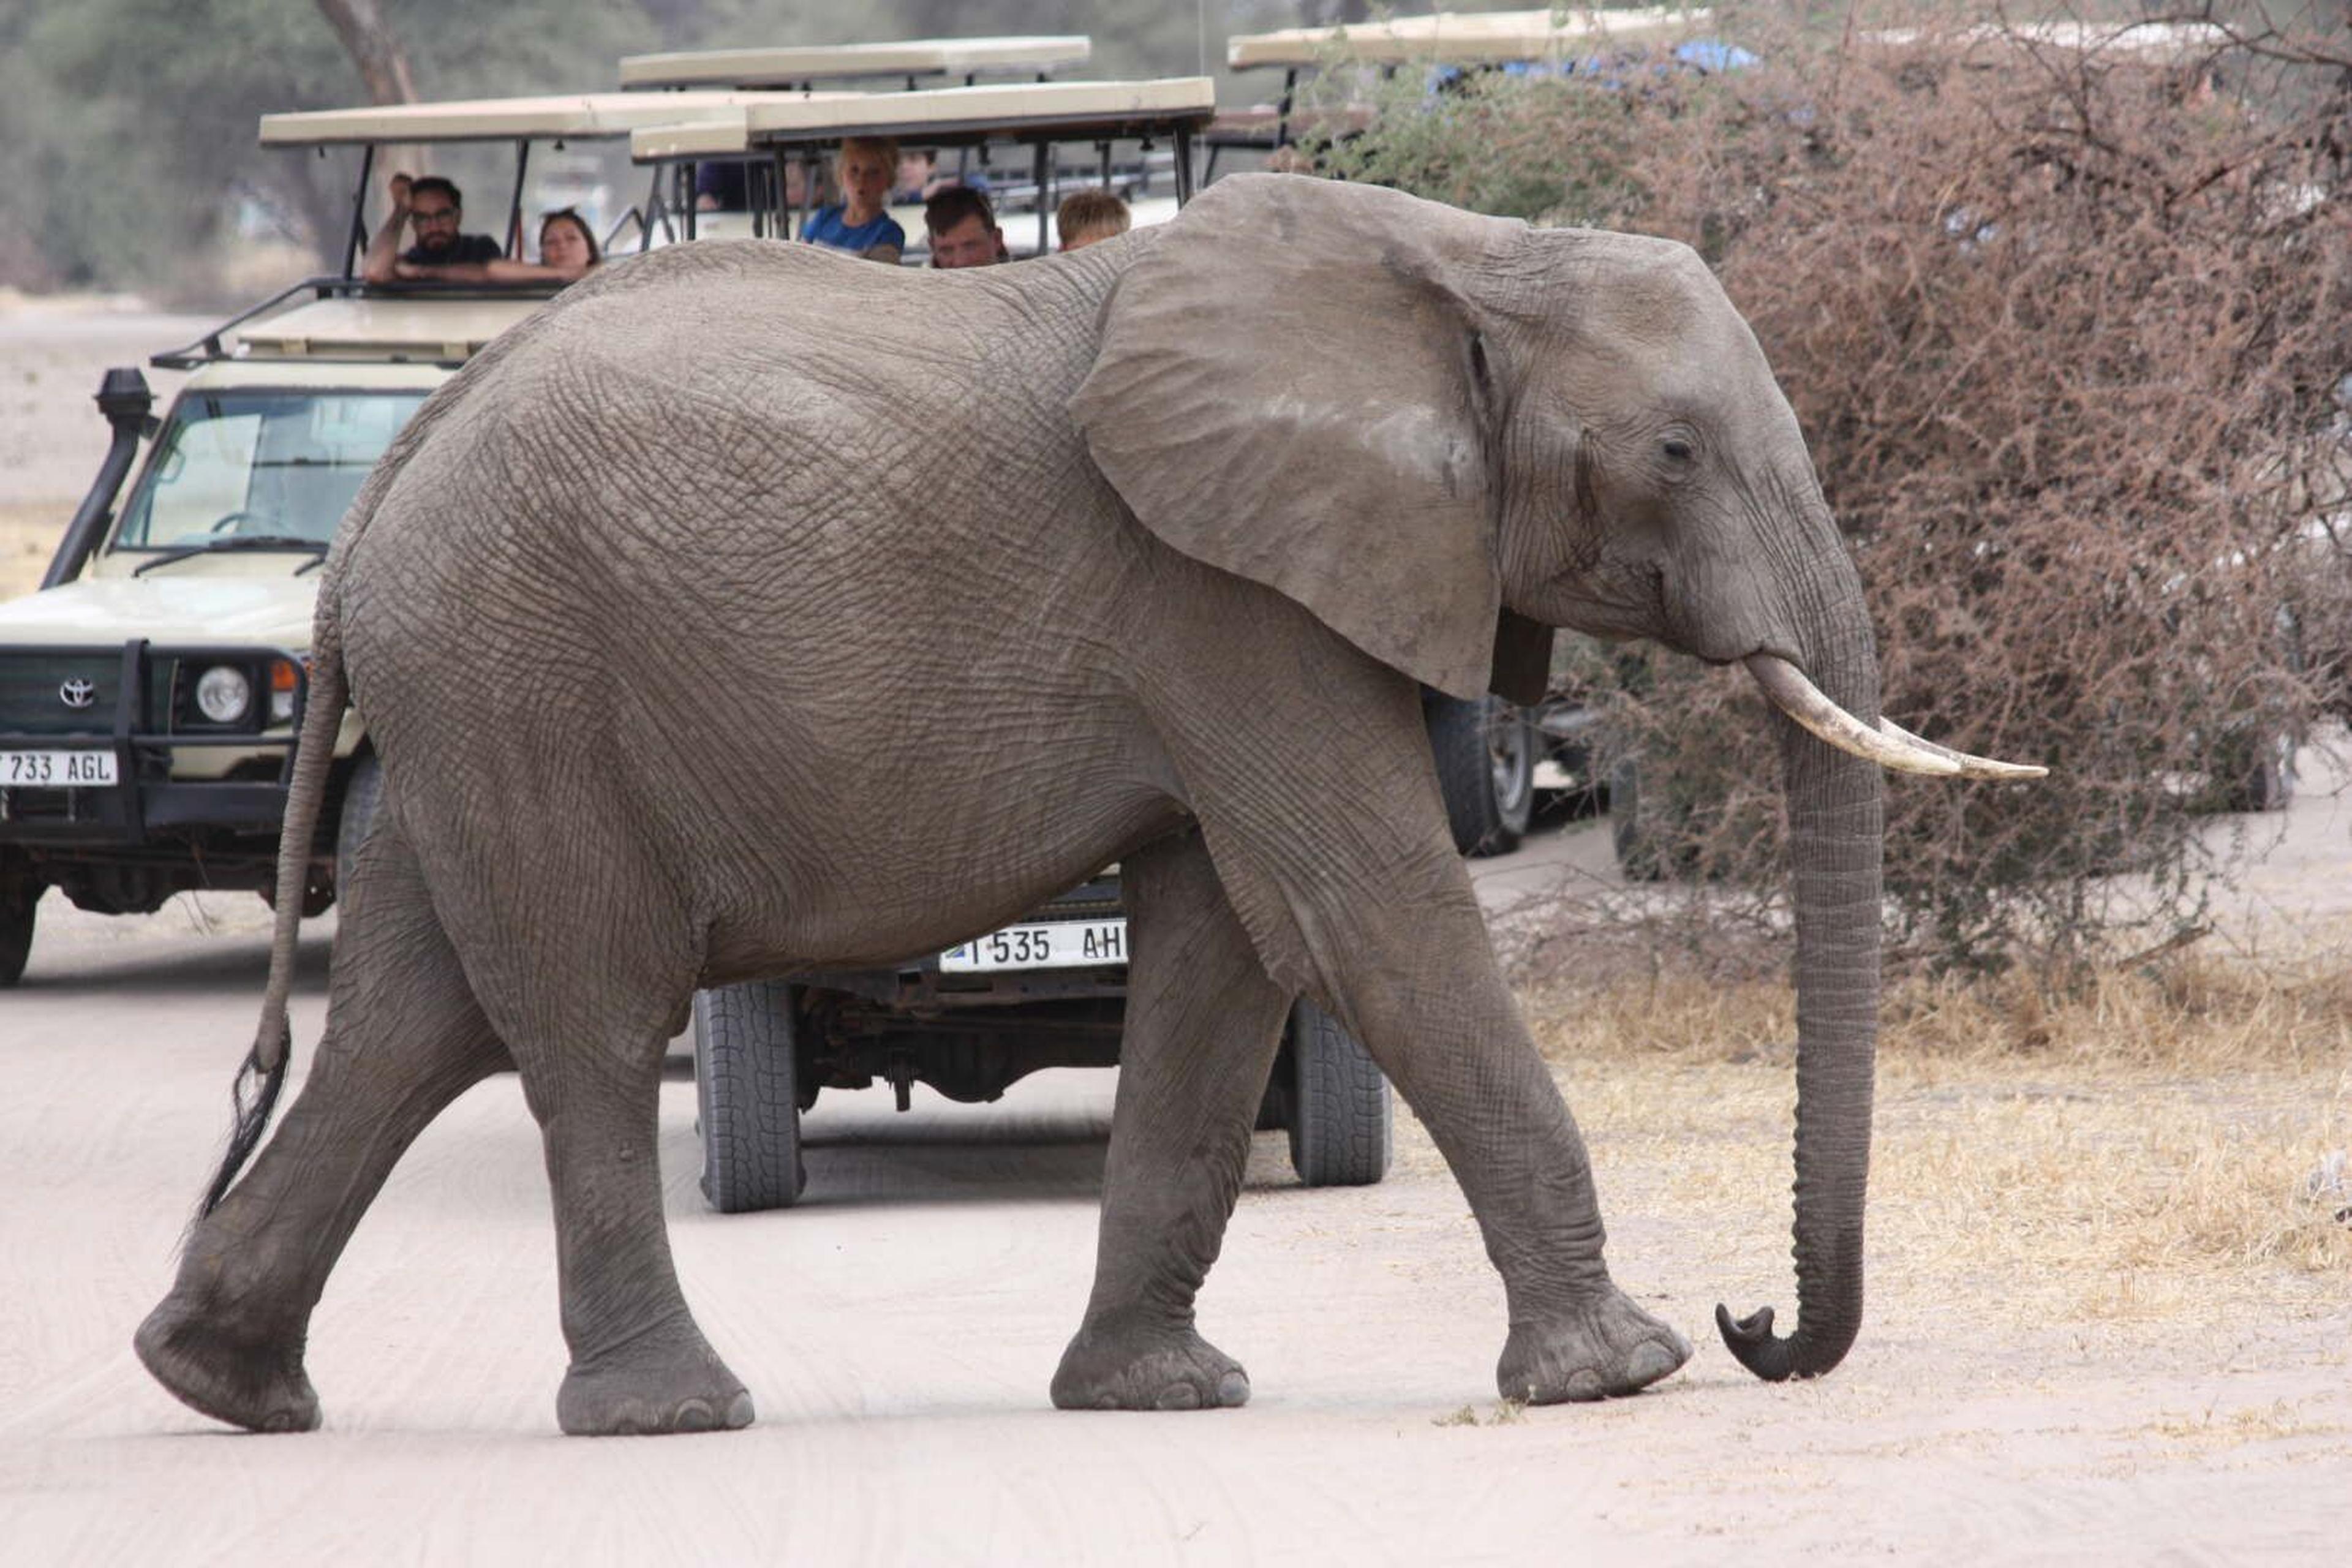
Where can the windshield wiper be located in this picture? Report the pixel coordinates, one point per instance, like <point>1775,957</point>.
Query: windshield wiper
<point>234,541</point>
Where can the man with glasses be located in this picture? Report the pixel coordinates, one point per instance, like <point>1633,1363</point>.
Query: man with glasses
<point>432,206</point>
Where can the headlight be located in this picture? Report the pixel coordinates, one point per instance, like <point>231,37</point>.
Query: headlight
<point>223,694</point>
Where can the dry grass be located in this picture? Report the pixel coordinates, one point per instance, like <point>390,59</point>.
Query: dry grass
<point>2147,1146</point>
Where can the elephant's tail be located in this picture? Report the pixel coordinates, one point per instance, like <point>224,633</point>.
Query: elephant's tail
<point>254,1095</point>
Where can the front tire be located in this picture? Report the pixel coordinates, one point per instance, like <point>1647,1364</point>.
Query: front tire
<point>1341,1113</point>
<point>744,1088</point>
<point>1486,757</point>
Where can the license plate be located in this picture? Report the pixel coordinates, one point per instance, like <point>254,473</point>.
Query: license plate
<point>1056,944</point>
<point>56,769</point>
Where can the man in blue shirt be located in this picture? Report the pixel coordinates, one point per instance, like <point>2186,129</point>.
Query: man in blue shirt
<point>859,221</point>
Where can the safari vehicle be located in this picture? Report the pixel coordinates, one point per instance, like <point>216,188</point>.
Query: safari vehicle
<point>150,690</point>
<point>1050,990</point>
<point>913,63</point>
<point>1124,127</point>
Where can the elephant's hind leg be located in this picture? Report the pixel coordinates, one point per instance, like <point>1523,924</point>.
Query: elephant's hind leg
<point>1203,1022</point>
<point>640,1364</point>
<point>403,1039</point>
<point>585,963</point>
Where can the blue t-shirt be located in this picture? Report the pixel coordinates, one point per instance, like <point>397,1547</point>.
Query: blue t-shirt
<point>825,227</point>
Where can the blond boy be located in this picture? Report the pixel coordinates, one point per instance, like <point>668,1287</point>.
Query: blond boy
<point>860,222</point>
<point>1085,216</point>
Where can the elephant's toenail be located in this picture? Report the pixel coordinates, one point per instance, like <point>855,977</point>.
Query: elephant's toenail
<point>695,1415</point>
<point>1650,1362</point>
<point>1179,1396</point>
<point>738,1412</point>
<point>1232,1389</point>
<point>1584,1384</point>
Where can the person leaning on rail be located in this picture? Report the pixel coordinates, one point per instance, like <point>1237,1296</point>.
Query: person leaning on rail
<point>432,208</point>
<point>567,252</point>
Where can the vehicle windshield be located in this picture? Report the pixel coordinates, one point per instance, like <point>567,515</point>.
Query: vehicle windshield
<point>261,463</point>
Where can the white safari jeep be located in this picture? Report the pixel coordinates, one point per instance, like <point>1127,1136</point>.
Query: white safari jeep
<point>150,690</point>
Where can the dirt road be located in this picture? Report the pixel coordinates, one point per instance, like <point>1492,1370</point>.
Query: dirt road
<point>899,1330</point>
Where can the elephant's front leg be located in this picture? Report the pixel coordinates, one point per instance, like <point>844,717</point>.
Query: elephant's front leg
<point>1330,843</point>
<point>1421,988</point>
<point>1203,1022</point>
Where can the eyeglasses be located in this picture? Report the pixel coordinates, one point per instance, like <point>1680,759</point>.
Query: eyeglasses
<point>437,215</point>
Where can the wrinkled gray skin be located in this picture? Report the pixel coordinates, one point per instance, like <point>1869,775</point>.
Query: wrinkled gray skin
<point>749,610</point>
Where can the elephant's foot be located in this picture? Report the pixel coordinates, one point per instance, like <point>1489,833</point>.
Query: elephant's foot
<point>1596,1349</point>
<point>652,1387</point>
<point>257,1384</point>
<point>1119,1363</point>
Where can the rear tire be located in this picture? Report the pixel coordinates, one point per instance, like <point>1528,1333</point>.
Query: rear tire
<point>1486,757</point>
<point>744,1072</point>
<point>18,903</point>
<point>1341,1114</point>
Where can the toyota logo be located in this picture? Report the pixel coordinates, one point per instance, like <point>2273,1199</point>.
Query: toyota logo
<point>78,693</point>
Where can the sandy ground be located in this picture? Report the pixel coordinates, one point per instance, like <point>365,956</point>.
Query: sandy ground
<point>897,1330</point>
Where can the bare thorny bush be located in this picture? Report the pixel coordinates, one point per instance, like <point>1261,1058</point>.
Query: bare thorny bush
<point>2066,326</point>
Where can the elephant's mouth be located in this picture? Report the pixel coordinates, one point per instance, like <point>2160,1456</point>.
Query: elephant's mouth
<point>1889,744</point>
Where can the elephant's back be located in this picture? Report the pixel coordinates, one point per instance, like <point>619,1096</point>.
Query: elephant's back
<point>737,468</point>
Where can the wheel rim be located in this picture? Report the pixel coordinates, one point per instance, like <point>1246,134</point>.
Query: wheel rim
<point>1507,759</point>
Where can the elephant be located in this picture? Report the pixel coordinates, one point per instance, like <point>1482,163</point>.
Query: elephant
<point>663,612</point>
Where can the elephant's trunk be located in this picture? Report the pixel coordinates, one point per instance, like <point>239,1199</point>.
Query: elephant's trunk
<point>1835,821</point>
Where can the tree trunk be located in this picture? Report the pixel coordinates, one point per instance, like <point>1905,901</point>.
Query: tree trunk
<point>383,68</point>
<point>374,50</point>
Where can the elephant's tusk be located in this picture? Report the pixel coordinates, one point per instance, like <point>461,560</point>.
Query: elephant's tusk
<point>1800,700</point>
<point>1971,767</point>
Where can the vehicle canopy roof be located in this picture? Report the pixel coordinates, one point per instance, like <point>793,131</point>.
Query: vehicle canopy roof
<point>588,116</point>
<point>851,62</point>
<point>2159,40</point>
<point>1460,38</point>
<point>361,329</point>
<point>950,116</point>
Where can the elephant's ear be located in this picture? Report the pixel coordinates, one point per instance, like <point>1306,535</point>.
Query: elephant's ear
<point>1291,386</point>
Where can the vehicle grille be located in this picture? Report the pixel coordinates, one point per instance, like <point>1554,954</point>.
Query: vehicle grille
<point>29,683</point>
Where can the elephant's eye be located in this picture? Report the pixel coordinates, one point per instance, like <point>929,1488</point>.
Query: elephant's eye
<point>1676,450</point>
